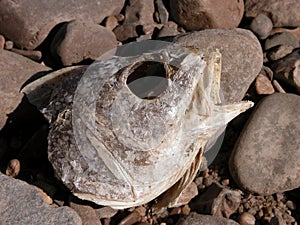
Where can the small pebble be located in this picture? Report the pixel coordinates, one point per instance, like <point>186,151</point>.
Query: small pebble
<point>225,182</point>
<point>185,210</point>
<point>247,219</point>
<point>291,205</point>
<point>261,25</point>
<point>263,85</point>
<point>111,22</point>
<point>13,168</point>
<point>8,45</point>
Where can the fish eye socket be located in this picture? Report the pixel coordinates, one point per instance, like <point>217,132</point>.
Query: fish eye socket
<point>149,79</point>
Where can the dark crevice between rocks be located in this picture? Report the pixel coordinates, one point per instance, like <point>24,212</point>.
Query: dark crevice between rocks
<point>24,137</point>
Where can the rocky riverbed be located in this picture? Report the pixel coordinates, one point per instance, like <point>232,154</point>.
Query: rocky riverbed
<point>255,177</point>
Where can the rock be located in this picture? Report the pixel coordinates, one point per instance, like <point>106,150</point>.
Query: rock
<point>21,203</point>
<point>282,14</point>
<point>247,219</point>
<point>284,38</point>
<point>2,41</point>
<point>87,214</point>
<point>111,22</point>
<point>217,200</point>
<point>201,14</point>
<point>77,41</point>
<point>261,25</point>
<point>138,19</point>
<point>134,217</point>
<point>277,86</point>
<point>295,31</point>
<point>186,196</point>
<point>265,159</point>
<point>242,57</point>
<point>8,45</point>
<point>125,32</point>
<point>106,212</point>
<point>263,85</point>
<point>197,219</point>
<point>287,69</point>
<point>15,70</point>
<point>163,13</point>
<point>169,29</point>
<point>13,168</point>
<point>45,15</point>
<point>34,55</point>
<point>279,52</point>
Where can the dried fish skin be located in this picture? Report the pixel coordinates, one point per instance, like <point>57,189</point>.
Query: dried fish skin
<point>113,148</point>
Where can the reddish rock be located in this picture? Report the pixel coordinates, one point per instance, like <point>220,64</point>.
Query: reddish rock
<point>87,214</point>
<point>28,22</point>
<point>111,22</point>
<point>15,70</point>
<point>282,13</point>
<point>263,85</point>
<point>78,41</point>
<point>202,14</point>
<point>2,41</point>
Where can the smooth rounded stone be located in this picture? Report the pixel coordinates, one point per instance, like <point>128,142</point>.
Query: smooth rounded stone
<point>242,57</point>
<point>111,22</point>
<point>2,41</point>
<point>45,15</point>
<point>15,70</point>
<point>263,85</point>
<point>261,25</point>
<point>202,14</point>
<point>247,219</point>
<point>77,41</point>
<point>8,45</point>
<point>284,38</point>
<point>282,13</point>
<point>265,159</point>
<point>21,203</point>
<point>198,219</point>
<point>279,52</point>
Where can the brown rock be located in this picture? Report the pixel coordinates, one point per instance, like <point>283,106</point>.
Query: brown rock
<point>265,159</point>
<point>21,203</point>
<point>282,14</point>
<point>217,200</point>
<point>242,57</point>
<point>169,29</point>
<point>284,38</point>
<point>44,16</point>
<point>139,12</point>
<point>106,212</point>
<point>261,25</point>
<point>197,219</point>
<point>201,14</point>
<point>15,70</point>
<point>125,32</point>
<point>8,45</point>
<point>34,55</point>
<point>87,214</point>
<point>13,168</point>
<point>78,41</point>
<point>111,22</point>
<point>279,52</point>
<point>2,41</point>
<point>186,196</point>
<point>287,69</point>
<point>263,85</point>
<point>295,31</point>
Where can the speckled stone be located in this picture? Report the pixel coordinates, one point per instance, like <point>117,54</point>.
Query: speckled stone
<point>265,159</point>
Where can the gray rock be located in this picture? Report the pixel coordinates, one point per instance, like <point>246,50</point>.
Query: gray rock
<point>21,203</point>
<point>265,159</point>
<point>197,219</point>
<point>15,70</point>
<point>28,30</point>
<point>78,40</point>
<point>261,25</point>
<point>162,11</point>
<point>202,14</point>
<point>284,38</point>
<point>282,13</point>
<point>242,57</point>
